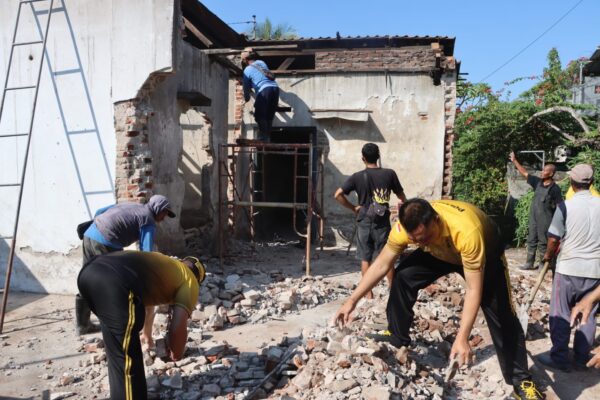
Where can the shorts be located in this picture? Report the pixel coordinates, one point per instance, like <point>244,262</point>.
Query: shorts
<point>371,238</point>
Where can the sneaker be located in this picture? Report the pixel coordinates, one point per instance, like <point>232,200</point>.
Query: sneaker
<point>386,336</point>
<point>381,336</point>
<point>546,359</point>
<point>527,390</point>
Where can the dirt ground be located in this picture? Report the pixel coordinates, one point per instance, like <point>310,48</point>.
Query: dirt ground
<point>39,343</point>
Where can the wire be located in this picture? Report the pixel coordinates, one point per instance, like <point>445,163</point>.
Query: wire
<point>532,42</point>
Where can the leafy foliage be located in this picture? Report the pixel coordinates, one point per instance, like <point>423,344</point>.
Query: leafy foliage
<point>488,128</point>
<point>267,31</point>
<point>522,217</point>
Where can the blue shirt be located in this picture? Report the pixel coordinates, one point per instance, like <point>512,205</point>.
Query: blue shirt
<point>146,234</point>
<point>255,79</point>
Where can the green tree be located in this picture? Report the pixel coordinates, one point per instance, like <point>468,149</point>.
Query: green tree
<point>488,128</point>
<point>267,31</point>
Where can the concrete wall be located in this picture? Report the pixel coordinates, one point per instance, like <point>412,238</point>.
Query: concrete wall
<point>407,121</point>
<point>120,45</point>
<point>586,94</point>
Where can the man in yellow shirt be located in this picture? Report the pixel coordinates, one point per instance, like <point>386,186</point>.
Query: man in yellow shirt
<point>117,286</point>
<point>452,236</point>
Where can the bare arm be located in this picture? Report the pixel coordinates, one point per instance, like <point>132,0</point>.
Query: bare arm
<point>518,165</point>
<point>584,308</point>
<point>461,347</point>
<point>341,198</point>
<point>177,333</point>
<point>382,264</point>
<point>551,249</point>
<point>148,324</point>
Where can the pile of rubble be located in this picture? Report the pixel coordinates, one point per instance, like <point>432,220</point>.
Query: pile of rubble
<point>325,362</point>
<point>257,297</point>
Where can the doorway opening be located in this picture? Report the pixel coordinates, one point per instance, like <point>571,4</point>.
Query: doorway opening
<point>285,180</point>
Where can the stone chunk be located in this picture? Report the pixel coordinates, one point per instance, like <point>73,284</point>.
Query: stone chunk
<point>343,385</point>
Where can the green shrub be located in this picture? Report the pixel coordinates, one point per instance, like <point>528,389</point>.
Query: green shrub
<point>522,217</point>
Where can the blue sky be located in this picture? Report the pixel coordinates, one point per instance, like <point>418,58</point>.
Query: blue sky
<point>488,32</point>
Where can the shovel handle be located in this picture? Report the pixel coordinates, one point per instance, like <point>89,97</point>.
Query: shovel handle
<point>540,279</point>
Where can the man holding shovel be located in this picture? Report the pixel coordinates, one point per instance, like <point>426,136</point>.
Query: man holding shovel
<point>576,225</point>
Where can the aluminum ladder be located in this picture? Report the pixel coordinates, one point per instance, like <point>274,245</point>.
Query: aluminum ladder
<point>35,87</point>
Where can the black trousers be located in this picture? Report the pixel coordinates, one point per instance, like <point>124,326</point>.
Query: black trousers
<point>113,295</point>
<point>420,269</point>
<point>265,105</point>
<point>537,239</point>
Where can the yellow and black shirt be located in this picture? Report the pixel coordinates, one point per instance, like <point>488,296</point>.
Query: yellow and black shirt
<point>465,235</point>
<point>163,280</point>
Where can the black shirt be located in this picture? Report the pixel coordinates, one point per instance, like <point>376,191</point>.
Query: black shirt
<point>545,198</point>
<point>373,183</point>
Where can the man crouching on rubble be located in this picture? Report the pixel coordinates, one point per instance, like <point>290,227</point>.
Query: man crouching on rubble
<point>452,236</point>
<point>117,286</point>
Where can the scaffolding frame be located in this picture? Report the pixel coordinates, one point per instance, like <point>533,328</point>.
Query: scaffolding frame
<point>232,198</point>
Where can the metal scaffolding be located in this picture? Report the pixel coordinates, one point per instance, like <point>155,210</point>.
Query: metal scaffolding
<point>241,166</point>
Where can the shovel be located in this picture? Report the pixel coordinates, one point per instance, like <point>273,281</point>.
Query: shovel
<point>451,369</point>
<point>523,313</point>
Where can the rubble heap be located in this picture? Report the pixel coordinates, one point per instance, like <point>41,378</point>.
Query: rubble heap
<point>256,296</point>
<point>325,362</point>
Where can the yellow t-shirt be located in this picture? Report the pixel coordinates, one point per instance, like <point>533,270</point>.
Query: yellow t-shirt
<point>164,280</point>
<point>570,192</point>
<point>466,232</point>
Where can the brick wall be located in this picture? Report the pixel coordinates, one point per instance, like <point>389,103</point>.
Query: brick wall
<point>449,85</point>
<point>239,109</point>
<point>396,58</point>
<point>134,159</point>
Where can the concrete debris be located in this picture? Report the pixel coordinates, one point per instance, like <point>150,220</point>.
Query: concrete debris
<point>324,363</point>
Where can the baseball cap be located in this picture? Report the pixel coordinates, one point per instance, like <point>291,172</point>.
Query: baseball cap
<point>581,173</point>
<point>158,203</point>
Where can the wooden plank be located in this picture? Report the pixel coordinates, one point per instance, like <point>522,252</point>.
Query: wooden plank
<point>232,52</point>
<point>192,28</point>
<point>286,63</point>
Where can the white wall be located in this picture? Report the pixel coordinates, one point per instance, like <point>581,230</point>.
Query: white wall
<point>406,122</point>
<point>119,44</point>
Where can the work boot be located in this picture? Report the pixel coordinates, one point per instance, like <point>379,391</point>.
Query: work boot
<point>530,263</point>
<point>527,390</point>
<point>82,317</point>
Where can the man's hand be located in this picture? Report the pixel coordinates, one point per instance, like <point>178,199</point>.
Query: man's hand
<point>343,317</point>
<point>462,351</point>
<point>356,209</point>
<point>583,308</point>
<point>147,342</point>
<point>595,361</point>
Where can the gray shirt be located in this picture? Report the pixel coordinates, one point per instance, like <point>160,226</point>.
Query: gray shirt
<point>576,223</point>
<point>123,222</point>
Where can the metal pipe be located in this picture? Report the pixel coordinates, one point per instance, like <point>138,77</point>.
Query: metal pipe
<point>269,204</point>
<point>220,229</point>
<point>322,216</point>
<point>295,194</point>
<point>309,212</point>
<point>11,255</point>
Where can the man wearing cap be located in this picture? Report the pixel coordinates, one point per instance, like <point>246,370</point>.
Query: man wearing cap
<point>576,226</point>
<point>547,195</point>
<point>118,286</point>
<point>114,228</point>
<point>257,76</point>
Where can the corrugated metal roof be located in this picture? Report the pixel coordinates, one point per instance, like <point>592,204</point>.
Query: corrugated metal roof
<point>353,42</point>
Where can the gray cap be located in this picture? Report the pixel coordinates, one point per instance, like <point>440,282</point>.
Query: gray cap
<point>158,203</point>
<point>582,173</point>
